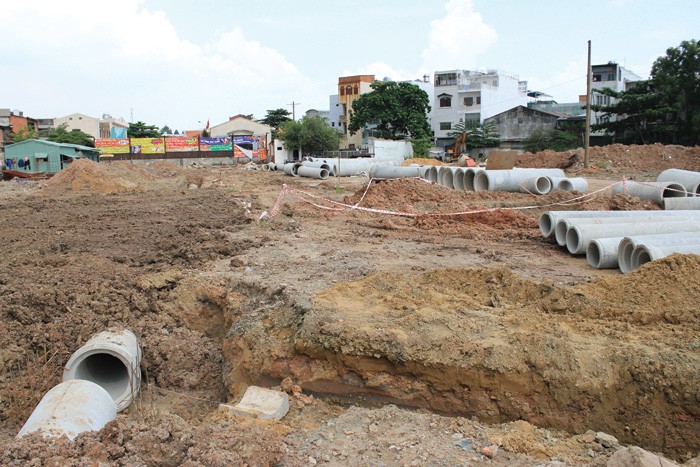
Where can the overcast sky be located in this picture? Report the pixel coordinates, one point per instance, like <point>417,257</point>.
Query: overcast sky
<point>180,62</point>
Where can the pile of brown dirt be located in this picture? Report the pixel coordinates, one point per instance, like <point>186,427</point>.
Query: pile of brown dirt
<point>421,161</point>
<point>619,158</point>
<point>85,175</point>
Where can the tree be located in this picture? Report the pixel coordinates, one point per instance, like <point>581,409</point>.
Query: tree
<point>60,134</point>
<point>311,135</point>
<point>477,135</point>
<point>166,130</point>
<point>24,134</point>
<point>141,130</point>
<point>666,108</point>
<point>275,118</point>
<point>556,140</point>
<point>399,110</point>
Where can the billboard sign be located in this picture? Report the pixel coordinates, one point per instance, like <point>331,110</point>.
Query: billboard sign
<point>219,143</point>
<point>112,145</point>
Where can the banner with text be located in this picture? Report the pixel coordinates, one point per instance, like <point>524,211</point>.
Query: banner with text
<point>181,144</point>
<point>147,146</point>
<point>112,145</point>
<point>221,143</point>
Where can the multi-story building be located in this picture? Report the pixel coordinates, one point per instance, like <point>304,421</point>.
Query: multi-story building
<point>613,76</point>
<point>106,127</point>
<point>472,96</point>
<point>349,90</point>
<point>11,122</point>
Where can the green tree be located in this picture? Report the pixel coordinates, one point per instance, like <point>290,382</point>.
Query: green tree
<point>166,130</point>
<point>556,140</point>
<point>399,111</point>
<point>477,135</point>
<point>311,135</point>
<point>60,134</point>
<point>275,118</point>
<point>24,134</point>
<point>141,130</point>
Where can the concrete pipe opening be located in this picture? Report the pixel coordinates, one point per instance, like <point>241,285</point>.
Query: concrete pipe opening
<point>594,255</point>
<point>432,174</point>
<point>458,179</point>
<point>112,361</point>
<point>447,178</point>
<point>481,182</point>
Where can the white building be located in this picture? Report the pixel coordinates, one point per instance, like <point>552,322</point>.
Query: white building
<point>472,96</point>
<point>613,76</point>
<point>106,127</point>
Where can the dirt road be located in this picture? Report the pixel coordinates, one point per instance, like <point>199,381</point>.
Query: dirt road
<point>430,339</point>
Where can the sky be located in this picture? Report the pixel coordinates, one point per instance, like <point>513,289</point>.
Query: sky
<point>182,63</point>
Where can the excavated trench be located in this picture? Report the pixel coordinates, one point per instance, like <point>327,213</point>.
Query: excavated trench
<point>501,348</point>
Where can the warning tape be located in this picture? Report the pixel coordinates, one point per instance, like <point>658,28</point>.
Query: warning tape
<point>304,196</point>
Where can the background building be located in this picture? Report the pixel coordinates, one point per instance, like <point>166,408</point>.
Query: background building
<point>613,76</point>
<point>350,88</point>
<point>105,127</point>
<point>472,96</point>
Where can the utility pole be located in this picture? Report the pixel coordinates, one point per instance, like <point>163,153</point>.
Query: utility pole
<point>294,106</point>
<point>586,143</point>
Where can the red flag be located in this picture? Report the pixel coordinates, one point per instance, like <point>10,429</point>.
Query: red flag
<point>207,127</point>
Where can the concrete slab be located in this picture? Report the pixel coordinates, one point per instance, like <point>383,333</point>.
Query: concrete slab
<point>262,403</point>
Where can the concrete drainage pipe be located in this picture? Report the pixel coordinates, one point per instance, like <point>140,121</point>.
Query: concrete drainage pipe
<point>603,253</point>
<point>469,175</point>
<point>71,408</point>
<point>628,244</point>
<point>653,191</point>
<point>290,168</point>
<point>673,204</point>
<point>536,186</point>
<point>312,172</point>
<point>111,360</point>
<point>573,184</point>
<point>549,219</point>
<point>689,179</point>
<point>432,174</point>
<point>642,253</point>
<point>392,171</point>
<point>509,180</point>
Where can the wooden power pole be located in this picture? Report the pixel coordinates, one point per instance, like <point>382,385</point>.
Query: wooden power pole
<point>586,143</point>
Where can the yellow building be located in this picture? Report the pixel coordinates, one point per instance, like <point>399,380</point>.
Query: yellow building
<point>350,88</point>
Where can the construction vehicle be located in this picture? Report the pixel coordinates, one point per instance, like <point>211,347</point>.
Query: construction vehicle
<point>454,155</point>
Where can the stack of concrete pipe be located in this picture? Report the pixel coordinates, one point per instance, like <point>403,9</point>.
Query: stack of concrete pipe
<point>100,379</point>
<point>691,183</point>
<point>323,168</point>
<point>653,191</point>
<point>269,166</point>
<point>601,235</point>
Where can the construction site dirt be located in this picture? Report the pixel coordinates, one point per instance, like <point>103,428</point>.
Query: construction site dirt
<point>447,332</point>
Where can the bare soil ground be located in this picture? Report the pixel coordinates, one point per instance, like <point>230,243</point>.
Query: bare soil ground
<point>433,338</point>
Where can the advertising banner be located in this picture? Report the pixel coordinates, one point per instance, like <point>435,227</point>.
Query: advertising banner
<point>221,143</point>
<point>112,145</point>
<point>181,144</point>
<point>244,139</point>
<point>262,148</point>
<point>147,146</point>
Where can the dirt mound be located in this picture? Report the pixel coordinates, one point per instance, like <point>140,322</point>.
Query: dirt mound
<point>85,175</point>
<point>618,158</point>
<point>421,161</point>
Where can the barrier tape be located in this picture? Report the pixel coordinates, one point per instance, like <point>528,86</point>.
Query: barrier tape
<point>304,196</point>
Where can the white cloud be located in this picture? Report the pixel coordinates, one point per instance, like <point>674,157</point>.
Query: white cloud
<point>457,39</point>
<point>95,57</point>
<point>381,70</point>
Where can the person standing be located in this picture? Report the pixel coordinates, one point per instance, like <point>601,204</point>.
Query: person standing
<point>27,163</point>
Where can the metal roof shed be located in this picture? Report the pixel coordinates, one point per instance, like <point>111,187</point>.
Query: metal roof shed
<point>47,156</point>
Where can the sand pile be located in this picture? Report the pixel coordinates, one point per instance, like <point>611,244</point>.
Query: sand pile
<point>86,175</point>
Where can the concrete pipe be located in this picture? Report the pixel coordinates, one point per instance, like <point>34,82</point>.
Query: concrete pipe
<point>423,170</point>
<point>603,253</point>
<point>653,191</point>
<point>71,408</point>
<point>555,181</point>
<point>689,179</point>
<point>272,166</point>
<point>629,243</point>
<point>266,168</point>
<point>643,254</point>
<point>458,179</point>
<point>393,171</point>
<point>446,176</point>
<point>563,225</point>
<point>573,184</point>
<point>291,168</point>
<point>432,174</point>
<point>673,204</point>
<point>549,219</point>
<point>112,360</point>
<point>578,236</point>
<point>329,166</point>
<point>469,176</point>
<point>312,172</point>
<point>509,180</point>
<point>536,186</point>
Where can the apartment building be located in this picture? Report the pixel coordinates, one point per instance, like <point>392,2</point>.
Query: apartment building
<point>472,96</point>
<point>105,127</point>
<point>349,90</point>
<point>610,75</point>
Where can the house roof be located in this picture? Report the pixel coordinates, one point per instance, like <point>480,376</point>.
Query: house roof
<point>53,143</point>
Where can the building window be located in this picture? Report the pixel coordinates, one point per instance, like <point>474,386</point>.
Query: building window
<point>478,100</point>
<point>468,101</point>
<point>445,100</point>
<point>611,76</point>
<point>445,125</point>
<point>355,89</point>
<point>348,90</point>
<point>333,124</point>
<point>596,77</point>
<point>342,91</point>
<point>447,79</point>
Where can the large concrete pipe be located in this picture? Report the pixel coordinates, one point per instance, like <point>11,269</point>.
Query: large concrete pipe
<point>509,180</point>
<point>578,236</point>
<point>642,253</point>
<point>458,179</point>
<point>673,204</point>
<point>112,360</point>
<point>329,166</point>
<point>689,179</point>
<point>393,171</point>
<point>563,225</point>
<point>432,174</point>
<point>469,175</point>
<point>653,191</point>
<point>603,253</point>
<point>549,219</point>
<point>446,176</point>
<point>573,184</point>
<point>312,172</point>
<point>627,245</point>
<point>290,168</point>
<point>536,186</point>
<point>71,408</point>
<point>423,170</point>
<point>555,182</point>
